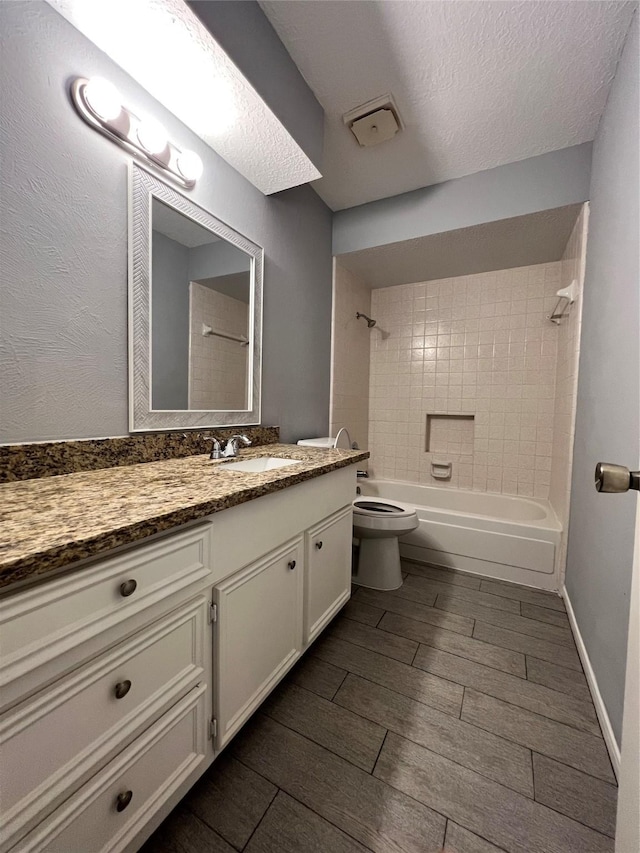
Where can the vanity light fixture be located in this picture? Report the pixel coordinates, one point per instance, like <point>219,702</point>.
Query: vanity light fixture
<point>99,103</point>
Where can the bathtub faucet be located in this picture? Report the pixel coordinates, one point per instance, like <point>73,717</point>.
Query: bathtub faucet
<point>362,474</point>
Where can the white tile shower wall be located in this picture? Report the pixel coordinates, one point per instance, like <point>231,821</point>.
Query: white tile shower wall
<point>573,264</point>
<point>350,356</point>
<point>479,345</point>
<point>217,367</point>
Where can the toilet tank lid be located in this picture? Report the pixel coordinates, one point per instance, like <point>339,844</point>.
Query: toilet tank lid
<point>325,441</point>
<point>342,440</point>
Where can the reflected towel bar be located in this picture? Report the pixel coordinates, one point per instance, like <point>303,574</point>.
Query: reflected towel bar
<point>208,332</point>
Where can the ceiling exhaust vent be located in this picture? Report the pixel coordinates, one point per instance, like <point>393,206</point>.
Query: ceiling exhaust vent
<point>374,122</point>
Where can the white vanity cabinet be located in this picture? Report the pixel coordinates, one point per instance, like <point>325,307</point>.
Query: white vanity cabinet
<point>327,585</point>
<point>105,671</point>
<point>259,633</point>
<point>121,681</point>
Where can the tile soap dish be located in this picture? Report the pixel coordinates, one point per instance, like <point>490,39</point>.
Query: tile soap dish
<point>441,470</point>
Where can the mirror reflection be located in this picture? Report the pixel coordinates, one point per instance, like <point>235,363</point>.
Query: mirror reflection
<point>200,316</point>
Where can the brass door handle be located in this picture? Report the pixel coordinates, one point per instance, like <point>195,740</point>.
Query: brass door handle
<point>613,479</point>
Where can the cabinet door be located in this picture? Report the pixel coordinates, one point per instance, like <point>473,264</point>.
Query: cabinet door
<point>328,571</point>
<point>258,634</point>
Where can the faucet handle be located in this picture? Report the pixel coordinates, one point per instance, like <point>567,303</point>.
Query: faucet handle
<point>216,448</point>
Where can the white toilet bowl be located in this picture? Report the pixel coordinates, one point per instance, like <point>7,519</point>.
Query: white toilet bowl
<point>378,523</point>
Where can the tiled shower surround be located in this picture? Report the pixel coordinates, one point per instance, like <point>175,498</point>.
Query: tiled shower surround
<point>217,366</point>
<point>477,345</point>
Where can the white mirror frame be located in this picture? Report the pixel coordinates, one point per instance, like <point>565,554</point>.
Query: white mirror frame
<point>143,187</point>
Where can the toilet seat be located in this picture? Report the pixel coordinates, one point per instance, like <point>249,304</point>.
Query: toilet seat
<point>381,508</point>
<point>379,517</point>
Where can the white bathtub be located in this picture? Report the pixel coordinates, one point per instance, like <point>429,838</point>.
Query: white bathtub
<point>505,537</point>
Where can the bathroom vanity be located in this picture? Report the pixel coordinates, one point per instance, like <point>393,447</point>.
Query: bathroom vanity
<point>130,660</point>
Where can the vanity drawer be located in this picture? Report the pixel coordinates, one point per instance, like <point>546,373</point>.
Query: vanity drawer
<point>69,615</point>
<point>53,742</point>
<point>139,781</point>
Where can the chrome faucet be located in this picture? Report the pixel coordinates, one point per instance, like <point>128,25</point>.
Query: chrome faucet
<point>231,447</point>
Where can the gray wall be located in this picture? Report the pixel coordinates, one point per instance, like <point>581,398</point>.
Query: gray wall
<point>601,529</point>
<point>539,183</point>
<point>243,31</point>
<point>219,258</point>
<point>169,323</point>
<point>64,249</point>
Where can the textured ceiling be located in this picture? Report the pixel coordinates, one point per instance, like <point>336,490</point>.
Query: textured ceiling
<point>537,238</point>
<point>478,83</point>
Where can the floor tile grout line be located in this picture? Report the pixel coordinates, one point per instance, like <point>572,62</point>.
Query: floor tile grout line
<point>408,739</point>
<point>515,631</point>
<point>323,745</point>
<point>264,814</point>
<point>553,757</point>
<point>204,823</point>
<point>537,713</point>
<point>556,810</point>
<point>534,657</point>
<point>483,579</point>
<point>336,691</point>
<point>493,594</point>
<point>513,790</point>
<point>384,740</point>
<point>426,805</point>
<point>455,654</point>
<point>302,803</point>
<point>377,778</point>
<point>430,645</point>
<point>501,784</point>
<point>434,751</point>
<point>531,654</point>
<point>490,695</point>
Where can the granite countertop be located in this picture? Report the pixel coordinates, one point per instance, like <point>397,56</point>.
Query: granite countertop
<point>48,523</point>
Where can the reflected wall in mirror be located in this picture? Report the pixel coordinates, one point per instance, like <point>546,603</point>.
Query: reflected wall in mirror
<point>199,284</point>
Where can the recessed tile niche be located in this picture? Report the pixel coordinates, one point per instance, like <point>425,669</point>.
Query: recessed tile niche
<point>448,433</point>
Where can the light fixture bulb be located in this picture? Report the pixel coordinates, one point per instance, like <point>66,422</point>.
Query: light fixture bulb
<point>152,136</point>
<point>189,165</point>
<point>103,98</point>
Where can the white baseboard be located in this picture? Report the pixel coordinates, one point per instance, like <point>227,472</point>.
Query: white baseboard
<point>601,710</point>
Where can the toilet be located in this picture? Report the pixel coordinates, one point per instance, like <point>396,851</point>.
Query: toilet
<point>378,523</point>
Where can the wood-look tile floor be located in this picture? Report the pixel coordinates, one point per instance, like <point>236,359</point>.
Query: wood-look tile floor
<point>451,714</point>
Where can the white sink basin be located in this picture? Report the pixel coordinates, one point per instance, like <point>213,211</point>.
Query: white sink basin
<point>261,463</point>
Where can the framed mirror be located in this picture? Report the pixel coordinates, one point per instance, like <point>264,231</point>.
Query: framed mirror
<point>195,314</point>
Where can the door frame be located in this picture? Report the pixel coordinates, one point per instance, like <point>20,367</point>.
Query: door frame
<point>628,818</point>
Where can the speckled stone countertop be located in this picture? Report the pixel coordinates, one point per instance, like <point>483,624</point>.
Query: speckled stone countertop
<point>48,523</point>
